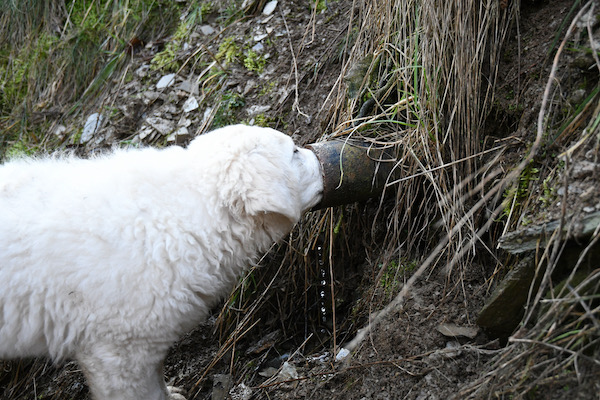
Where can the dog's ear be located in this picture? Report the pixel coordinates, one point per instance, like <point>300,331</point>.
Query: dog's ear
<point>254,184</point>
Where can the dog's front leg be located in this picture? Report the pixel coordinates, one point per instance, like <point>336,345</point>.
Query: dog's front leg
<point>129,372</point>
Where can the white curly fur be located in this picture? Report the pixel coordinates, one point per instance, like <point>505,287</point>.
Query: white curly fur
<point>109,260</point>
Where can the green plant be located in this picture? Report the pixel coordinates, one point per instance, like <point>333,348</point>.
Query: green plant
<point>393,276</point>
<point>266,89</point>
<point>254,61</point>
<point>319,5</point>
<point>548,194</point>
<point>515,194</point>
<point>225,114</point>
<point>228,51</point>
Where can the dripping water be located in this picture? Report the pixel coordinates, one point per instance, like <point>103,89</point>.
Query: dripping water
<point>322,290</point>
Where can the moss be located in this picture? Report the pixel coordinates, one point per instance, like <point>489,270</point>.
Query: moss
<point>394,274</point>
<point>228,51</point>
<point>166,59</point>
<point>254,61</point>
<point>17,150</point>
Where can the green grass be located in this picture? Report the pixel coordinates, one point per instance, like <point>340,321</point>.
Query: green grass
<point>53,55</point>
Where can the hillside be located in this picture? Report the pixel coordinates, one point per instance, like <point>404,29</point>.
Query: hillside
<point>475,275</point>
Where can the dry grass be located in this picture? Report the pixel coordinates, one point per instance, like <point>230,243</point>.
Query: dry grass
<point>416,84</point>
<point>420,78</point>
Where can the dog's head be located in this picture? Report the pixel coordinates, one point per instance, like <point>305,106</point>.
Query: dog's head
<point>262,172</point>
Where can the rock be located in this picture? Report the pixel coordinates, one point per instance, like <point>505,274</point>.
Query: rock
<point>240,392</point>
<point>180,136</point>
<point>168,108</point>
<point>577,97</point>
<point>59,131</point>
<point>222,383</point>
<point>583,168</point>
<point>144,133</point>
<point>92,125</point>
<point>256,109</point>
<point>190,104</point>
<point>288,371</point>
<point>530,238</point>
<point>505,307</point>
<point>250,84</point>
<point>452,350</point>
<point>343,353</point>
<point>269,7</point>
<point>165,81</point>
<point>453,330</point>
<point>184,122</point>
<point>258,48</point>
<point>189,86</point>
<point>142,71</point>
<point>207,113</point>
<point>150,96</point>
<point>260,37</point>
<point>207,30</point>
<point>163,126</point>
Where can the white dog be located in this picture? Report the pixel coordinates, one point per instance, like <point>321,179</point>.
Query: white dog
<point>110,260</point>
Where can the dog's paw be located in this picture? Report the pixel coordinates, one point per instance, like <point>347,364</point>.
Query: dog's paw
<point>175,393</point>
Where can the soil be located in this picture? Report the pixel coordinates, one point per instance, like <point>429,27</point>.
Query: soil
<point>406,356</point>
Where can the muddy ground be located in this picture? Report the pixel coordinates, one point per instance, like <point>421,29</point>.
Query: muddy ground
<point>407,356</point>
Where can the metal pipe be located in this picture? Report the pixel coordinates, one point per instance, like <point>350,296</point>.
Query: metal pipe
<point>352,172</point>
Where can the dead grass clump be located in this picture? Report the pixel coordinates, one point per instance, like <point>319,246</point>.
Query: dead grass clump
<point>418,78</point>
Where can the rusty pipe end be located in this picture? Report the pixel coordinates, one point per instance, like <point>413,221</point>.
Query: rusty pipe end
<point>352,172</point>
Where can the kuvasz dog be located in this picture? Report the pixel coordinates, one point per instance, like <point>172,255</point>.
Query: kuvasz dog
<point>109,260</point>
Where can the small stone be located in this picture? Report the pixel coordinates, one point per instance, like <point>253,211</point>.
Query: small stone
<point>256,109</point>
<point>142,71</point>
<point>251,84</point>
<point>189,86</point>
<point>181,135</point>
<point>577,97</point>
<point>184,122</point>
<point>190,104</point>
<point>207,30</point>
<point>343,353</point>
<point>207,114</point>
<point>452,350</point>
<point>222,383</point>
<point>240,392</point>
<point>258,48</point>
<point>145,132</point>
<point>165,81</point>
<point>92,125</point>
<point>260,37</point>
<point>163,126</point>
<point>59,131</point>
<point>168,108</point>
<point>269,7</point>
<point>583,168</point>
<point>150,95</point>
<point>589,209</point>
<point>453,330</point>
<point>288,371</point>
